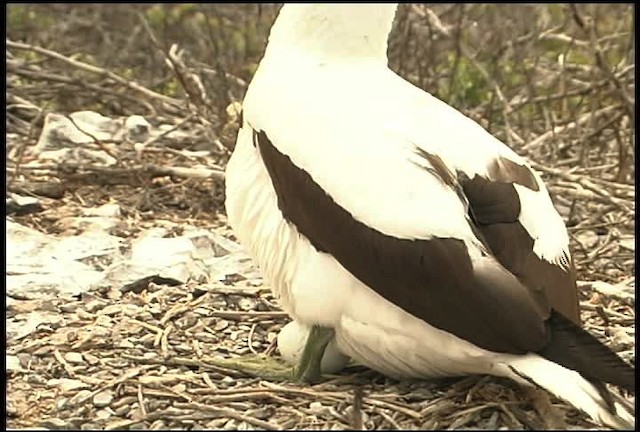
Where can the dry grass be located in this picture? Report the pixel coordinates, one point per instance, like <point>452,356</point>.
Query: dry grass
<point>554,82</point>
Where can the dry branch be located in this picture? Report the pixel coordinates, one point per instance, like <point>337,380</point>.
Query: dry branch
<point>551,134</point>
<point>96,70</point>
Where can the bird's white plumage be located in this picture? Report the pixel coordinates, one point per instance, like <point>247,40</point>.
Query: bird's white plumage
<point>335,109</point>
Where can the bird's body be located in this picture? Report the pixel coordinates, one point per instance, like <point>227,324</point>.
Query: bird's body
<point>375,209</point>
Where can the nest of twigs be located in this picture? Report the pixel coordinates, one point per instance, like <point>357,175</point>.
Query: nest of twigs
<point>117,357</point>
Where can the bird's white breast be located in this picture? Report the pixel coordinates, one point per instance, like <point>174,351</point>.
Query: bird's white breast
<point>310,285</point>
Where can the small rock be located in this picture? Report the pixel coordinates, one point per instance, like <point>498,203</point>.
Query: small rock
<point>73,419</point>
<point>628,243</point>
<point>109,311</point>
<point>137,414</point>
<point>126,344</point>
<point>25,359</point>
<point>54,423</point>
<point>158,425</point>
<point>24,306</point>
<point>247,304</point>
<point>13,364</point>
<point>107,210</point>
<point>205,337</point>
<point>122,411</point>
<point>68,307</point>
<point>62,403</point>
<point>621,338</point>
<point>84,315</point>
<point>185,322</point>
<point>117,424</point>
<point>221,325</point>
<point>130,310</point>
<point>215,424</point>
<point>79,397</point>
<point>21,205</point>
<point>94,305</point>
<point>103,399</point>
<point>202,311</point>
<point>179,388</point>
<point>155,404</point>
<point>589,239</point>
<point>104,414</point>
<point>12,410</point>
<point>66,384</point>
<point>154,310</point>
<point>230,425</point>
<point>112,310</point>
<point>73,357</point>
<point>89,426</point>
<point>91,359</point>
<point>36,379</point>
<point>316,407</point>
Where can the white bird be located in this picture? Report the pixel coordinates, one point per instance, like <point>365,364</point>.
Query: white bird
<point>385,218</point>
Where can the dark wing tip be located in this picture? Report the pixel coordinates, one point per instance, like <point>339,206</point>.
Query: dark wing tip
<point>575,348</point>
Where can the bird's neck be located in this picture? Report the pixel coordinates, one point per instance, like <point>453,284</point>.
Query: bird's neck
<point>333,32</point>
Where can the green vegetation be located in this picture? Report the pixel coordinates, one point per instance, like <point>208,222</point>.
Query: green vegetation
<point>467,86</point>
<point>23,18</point>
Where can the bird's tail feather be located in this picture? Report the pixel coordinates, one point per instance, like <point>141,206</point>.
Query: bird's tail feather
<point>569,385</point>
<point>575,348</point>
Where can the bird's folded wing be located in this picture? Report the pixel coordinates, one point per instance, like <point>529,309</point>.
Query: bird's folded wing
<point>406,234</point>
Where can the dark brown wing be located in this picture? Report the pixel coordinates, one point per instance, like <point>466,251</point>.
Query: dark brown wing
<point>494,206</point>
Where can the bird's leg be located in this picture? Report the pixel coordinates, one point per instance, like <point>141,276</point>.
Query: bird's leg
<point>269,368</point>
<point>259,366</point>
<point>308,368</point>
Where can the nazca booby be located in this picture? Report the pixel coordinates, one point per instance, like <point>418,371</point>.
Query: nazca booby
<point>388,220</point>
